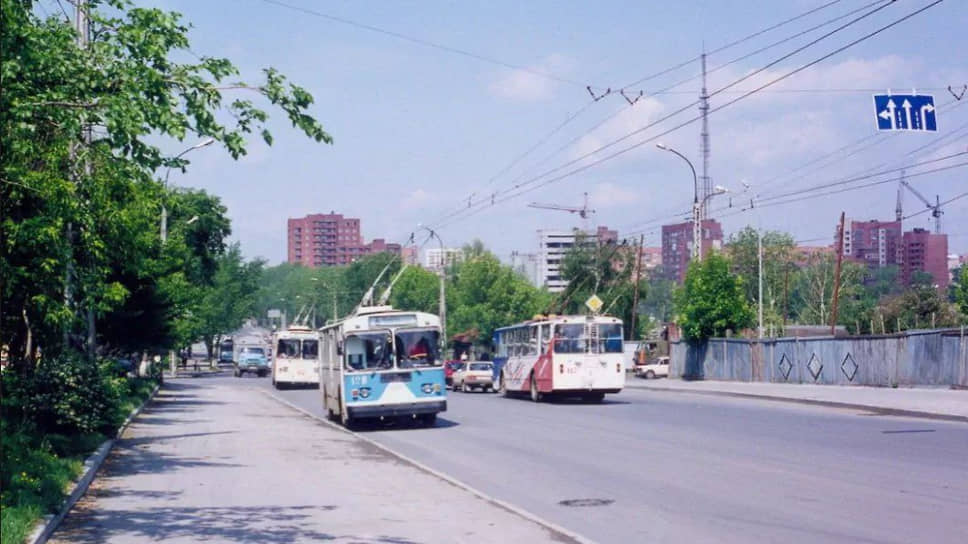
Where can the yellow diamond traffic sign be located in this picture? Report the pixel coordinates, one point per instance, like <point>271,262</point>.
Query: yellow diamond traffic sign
<point>594,303</point>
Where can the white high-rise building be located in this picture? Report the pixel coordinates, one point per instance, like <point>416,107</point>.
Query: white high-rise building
<point>553,245</point>
<point>437,258</point>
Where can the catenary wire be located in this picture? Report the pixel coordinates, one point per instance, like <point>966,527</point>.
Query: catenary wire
<point>713,110</point>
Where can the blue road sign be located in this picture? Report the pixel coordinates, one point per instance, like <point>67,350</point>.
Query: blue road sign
<point>905,112</point>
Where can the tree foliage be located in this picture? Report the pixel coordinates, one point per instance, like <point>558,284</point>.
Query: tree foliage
<point>712,300</point>
<point>606,270</point>
<point>79,240</point>
<point>486,294</point>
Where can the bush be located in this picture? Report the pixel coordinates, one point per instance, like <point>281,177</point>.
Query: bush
<point>50,422</point>
<point>70,395</point>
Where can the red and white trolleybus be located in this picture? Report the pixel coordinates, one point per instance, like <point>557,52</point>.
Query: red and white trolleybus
<point>578,355</point>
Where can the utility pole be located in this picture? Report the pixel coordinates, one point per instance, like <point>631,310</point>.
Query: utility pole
<point>83,27</point>
<point>635,287</point>
<point>707,187</point>
<point>786,294</point>
<point>840,259</point>
<point>759,276</point>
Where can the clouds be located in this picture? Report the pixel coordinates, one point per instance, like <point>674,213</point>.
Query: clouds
<point>611,195</point>
<point>528,86</point>
<point>627,120</point>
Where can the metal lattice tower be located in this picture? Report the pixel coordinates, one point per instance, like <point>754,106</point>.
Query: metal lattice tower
<point>705,182</point>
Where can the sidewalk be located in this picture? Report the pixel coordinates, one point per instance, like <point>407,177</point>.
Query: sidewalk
<point>220,462</point>
<point>921,402</point>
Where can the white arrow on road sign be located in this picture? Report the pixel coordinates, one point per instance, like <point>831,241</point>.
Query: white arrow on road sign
<point>890,113</point>
<point>907,112</point>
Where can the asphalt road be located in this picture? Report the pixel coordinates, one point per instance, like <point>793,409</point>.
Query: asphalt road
<point>648,466</point>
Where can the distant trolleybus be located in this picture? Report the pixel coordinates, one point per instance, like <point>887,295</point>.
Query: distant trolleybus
<point>295,357</point>
<point>381,363</point>
<point>568,355</point>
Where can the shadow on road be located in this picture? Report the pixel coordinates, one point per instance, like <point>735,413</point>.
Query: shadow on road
<point>399,424</point>
<point>282,524</point>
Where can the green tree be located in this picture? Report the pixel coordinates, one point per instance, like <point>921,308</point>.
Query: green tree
<point>712,300</point>
<point>814,287</point>
<point>743,252</point>
<point>417,290</point>
<point>961,291</point>
<point>486,295</point>
<point>658,301</point>
<point>230,299</point>
<point>919,307</point>
<point>606,270</point>
<point>71,210</point>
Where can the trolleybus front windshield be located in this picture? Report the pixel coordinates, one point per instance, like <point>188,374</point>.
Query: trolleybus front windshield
<point>310,349</point>
<point>417,348</point>
<point>368,350</point>
<point>288,348</point>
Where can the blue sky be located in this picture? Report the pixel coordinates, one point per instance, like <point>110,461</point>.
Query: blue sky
<point>419,130</point>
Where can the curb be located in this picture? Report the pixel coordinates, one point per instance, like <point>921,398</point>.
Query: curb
<point>49,523</point>
<point>879,410</point>
<point>575,537</point>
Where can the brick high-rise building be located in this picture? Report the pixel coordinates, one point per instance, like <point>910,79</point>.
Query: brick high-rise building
<point>677,246</point>
<point>874,243</point>
<point>330,240</point>
<point>925,252</point>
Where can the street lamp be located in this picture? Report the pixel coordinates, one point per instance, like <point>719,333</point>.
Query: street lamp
<point>443,295</point>
<point>696,207</point>
<point>164,210</point>
<point>759,261</point>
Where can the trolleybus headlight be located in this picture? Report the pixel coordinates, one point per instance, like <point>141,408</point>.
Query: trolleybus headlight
<point>436,388</point>
<point>427,388</point>
<point>364,392</point>
<point>561,368</point>
<point>355,393</point>
<point>618,367</point>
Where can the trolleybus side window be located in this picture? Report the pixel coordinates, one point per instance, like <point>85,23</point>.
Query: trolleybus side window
<point>570,338</point>
<point>417,348</point>
<point>610,337</point>
<point>532,339</point>
<point>288,347</point>
<point>368,350</point>
<point>310,349</point>
<point>545,337</point>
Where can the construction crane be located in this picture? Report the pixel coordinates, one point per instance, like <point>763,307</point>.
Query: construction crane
<point>582,212</point>
<point>935,208</point>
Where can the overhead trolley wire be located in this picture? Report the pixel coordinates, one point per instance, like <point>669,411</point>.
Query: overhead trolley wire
<point>732,44</point>
<point>572,117</point>
<point>521,189</point>
<point>426,43</point>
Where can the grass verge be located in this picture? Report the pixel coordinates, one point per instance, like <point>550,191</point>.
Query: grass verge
<point>37,469</point>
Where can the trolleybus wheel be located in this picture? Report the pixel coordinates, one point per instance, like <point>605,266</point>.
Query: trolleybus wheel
<point>593,397</point>
<point>535,394</point>
<point>503,387</point>
<point>428,420</point>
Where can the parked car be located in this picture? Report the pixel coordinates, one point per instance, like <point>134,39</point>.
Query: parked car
<point>449,368</point>
<point>658,368</point>
<point>252,360</point>
<point>473,375</point>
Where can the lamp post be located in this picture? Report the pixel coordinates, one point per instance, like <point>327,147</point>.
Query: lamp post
<point>164,210</point>
<point>759,262</point>
<point>443,294</point>
<point>696,208</point>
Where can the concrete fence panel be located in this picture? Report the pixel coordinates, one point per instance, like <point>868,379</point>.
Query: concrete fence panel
<point>936,357</point>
